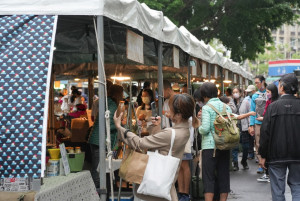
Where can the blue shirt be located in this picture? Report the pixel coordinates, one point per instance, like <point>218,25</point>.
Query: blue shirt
<point>253,119</point>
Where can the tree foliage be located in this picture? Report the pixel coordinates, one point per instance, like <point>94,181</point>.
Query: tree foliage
<point>243,26</point>
<point>261,64</point>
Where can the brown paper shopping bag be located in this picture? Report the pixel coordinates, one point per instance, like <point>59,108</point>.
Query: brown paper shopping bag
<point>133,166</point>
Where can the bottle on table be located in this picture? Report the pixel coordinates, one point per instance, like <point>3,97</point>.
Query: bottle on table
<point>77,150</point>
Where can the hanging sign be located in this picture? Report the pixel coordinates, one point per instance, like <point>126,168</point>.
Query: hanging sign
<point>216,71</point>
<point>226,75</point>
<point>193,65</point>
<point>135,47</point>
<point>176,57</point>
<point>204,70</point>
<point>234,78</point>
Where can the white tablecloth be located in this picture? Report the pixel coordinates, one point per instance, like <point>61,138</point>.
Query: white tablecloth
<point>75,186</point>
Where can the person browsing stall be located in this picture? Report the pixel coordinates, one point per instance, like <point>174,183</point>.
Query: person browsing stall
<point>115,95</point>
<point>181,109</point>
<point>144,112</point>
<point>168,93</point>
<point>258,103</point>
<point>215,162</point>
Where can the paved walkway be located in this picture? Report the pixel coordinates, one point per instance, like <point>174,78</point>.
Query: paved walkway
<point>246,188</point>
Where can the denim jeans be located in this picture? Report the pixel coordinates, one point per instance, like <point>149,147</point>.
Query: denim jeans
<point>95,162</point>
<point>251,146</point>
<point>245,139</point>
<point>235,153</point>
<point>278,177</point>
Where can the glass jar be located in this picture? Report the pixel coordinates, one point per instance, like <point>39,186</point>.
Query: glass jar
<point>77,150</point>
<point>71,150</point>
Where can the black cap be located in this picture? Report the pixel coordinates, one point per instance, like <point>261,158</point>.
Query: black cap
<point>291,81</point>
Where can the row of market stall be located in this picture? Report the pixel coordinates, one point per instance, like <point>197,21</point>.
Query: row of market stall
<point>93,40</point>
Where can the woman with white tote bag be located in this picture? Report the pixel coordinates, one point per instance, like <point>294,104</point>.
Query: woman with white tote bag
<point>181,109</point>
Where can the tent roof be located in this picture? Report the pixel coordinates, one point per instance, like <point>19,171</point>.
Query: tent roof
<point>131,13</point>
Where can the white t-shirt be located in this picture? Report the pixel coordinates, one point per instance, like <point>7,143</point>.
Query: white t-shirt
<point>65,107</point>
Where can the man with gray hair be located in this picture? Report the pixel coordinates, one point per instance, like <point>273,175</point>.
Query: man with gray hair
<point>280,140</point>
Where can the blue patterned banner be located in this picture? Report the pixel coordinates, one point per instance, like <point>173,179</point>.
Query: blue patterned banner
<point>25,51</point>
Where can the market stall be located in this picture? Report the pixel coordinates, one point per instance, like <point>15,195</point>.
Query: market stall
<point>93,46</point>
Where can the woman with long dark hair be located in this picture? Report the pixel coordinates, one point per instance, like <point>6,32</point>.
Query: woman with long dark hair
<point>181,109</point>
<point>272,96</point>
<point>144,112</point>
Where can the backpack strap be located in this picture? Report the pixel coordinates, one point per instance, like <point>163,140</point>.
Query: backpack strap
<point>224,108</point>
<point>212,107</point>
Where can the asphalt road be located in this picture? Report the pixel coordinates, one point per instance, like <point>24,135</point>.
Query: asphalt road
<point>245,187</point>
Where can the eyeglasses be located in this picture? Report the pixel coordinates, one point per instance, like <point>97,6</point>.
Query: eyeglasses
<point>257,82</point>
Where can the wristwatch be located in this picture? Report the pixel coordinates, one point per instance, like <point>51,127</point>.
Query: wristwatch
<point>125,133</point>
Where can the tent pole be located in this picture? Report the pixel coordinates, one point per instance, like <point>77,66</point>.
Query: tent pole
<point>91,91</point>
<point>160,79</point>
<point>222,81</point>
<point>101,88</point>
<point>209,71</point>
<point>189,78</point>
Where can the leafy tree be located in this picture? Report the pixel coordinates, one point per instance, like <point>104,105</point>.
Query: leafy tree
<point>243,26</point>
<point>261,64</point>
<point>296,55</point>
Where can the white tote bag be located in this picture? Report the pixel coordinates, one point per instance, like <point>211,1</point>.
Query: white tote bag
<point>160,173</point>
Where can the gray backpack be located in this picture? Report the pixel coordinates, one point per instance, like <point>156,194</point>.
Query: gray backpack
<point>260,103</point>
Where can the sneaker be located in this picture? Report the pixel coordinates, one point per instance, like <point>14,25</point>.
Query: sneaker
<point>264,178</point>
<point>245,165</point>
<point>260,170</point>
<point>235,166</point>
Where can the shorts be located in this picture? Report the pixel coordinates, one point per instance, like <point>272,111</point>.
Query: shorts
<point>187,157</point>
<point>215,170</point>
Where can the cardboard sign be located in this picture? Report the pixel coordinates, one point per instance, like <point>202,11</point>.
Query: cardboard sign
<point>64,158</point>
<point>135,47</point>
<point>14,184</point>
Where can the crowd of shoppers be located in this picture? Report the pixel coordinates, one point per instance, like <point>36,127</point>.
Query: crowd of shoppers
<point>267,121</point>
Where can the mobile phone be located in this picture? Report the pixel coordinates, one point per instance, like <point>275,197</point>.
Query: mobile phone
<point>153,109</point>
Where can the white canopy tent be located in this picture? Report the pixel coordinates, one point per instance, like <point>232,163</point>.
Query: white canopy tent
<point>131,13</point>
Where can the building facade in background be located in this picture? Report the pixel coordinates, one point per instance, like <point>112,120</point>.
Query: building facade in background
<point>287,39</point>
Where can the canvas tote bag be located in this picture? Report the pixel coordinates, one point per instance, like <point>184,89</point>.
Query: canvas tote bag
<point>160,173</point>
<point>133,166</point>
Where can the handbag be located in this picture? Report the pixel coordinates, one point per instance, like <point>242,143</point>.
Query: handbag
<point>160,173</point>
<point>133,166</point>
